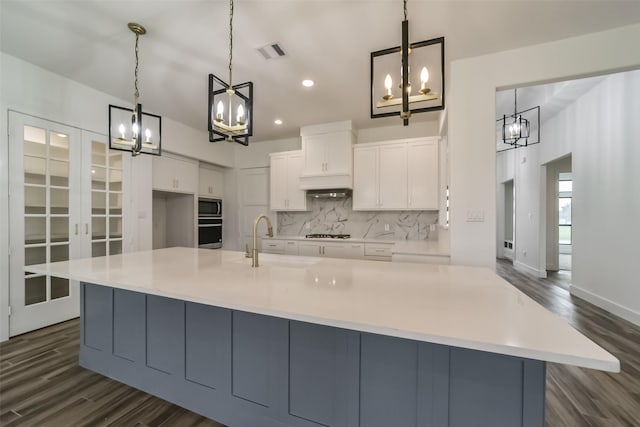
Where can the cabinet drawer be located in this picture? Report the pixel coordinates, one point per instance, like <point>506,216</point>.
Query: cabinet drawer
<point>378,249</point>
<point>291,247</point>
<point>273,246</point>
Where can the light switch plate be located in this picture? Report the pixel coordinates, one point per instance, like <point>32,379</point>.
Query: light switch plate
<point>475,215</point>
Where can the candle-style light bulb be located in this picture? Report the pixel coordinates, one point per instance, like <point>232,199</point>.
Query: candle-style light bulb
<point>134,128</point>
<point>121,129</point>
<point>388,83</point>
<point>424,79</point>
<point>147,135</point>
<point>240,116</point>
<point>219,111</point>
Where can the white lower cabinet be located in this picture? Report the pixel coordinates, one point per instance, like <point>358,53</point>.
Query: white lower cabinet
<point>378,251</point>
<point>283,247</point>
<point>346,250</point>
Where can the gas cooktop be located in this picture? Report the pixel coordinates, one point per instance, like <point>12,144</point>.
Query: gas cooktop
<point>327,236</point>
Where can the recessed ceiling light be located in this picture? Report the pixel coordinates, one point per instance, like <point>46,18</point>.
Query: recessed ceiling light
<point>61,135</point>
<point>308,83</point>
<point>277,121</point>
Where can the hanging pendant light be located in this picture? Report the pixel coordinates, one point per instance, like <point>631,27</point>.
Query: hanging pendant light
<point>428,59</point>
<point>132,129</point>
<point>230,106</point>
<point>516,128</point>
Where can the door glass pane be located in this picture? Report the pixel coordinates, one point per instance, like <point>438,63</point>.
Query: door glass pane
<point>98,228</point>
<point>98,249</point>
<point>98,203</point>
<point>98,178</point>
<point>35,290</point>
<point>59,253</point>
<point>59,199</point>
<point>35,230</point>
<point>59,146</point>
<point>34,170</point>
<point>35,200</point>
<point>115,248</point>
<point>564,206</point>
<point>35,140</point>
<point>98,153</point>
<point>59,287</point>
<point>564,234</point>
<point>59,229</point>
<point>59,173</point>
<point>115,180</point>
<point>115,203</point>
<point>115,227</point>
<point>37,255</point>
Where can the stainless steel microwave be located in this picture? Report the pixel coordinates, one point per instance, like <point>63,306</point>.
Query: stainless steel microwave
<point>209,223</point>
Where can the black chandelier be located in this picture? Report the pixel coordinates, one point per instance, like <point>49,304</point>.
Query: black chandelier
<point>133,129</point>
<point>516,129</point>
<point>227,99</point>
<point>422,61</point>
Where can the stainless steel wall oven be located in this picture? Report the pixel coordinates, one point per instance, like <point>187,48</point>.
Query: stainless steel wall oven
<point>209,223</point>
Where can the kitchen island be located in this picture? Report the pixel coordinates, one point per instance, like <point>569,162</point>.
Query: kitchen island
<point>303,341</point>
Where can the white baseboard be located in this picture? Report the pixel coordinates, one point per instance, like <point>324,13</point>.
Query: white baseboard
<point>605,304</point>
<point>528,269</point>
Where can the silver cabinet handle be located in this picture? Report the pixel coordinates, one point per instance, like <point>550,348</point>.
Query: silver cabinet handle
<point>76,229</point>
<point>86,228</point>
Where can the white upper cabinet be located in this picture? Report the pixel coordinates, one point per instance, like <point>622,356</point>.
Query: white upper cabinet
<point>328,161</point>
<point>211,183</point>
<point>423,175</point>
<point>399,175</point>
<point>393,176</point>
<point>285,194</point>
<point>174,175</point>
<point>365,178</point>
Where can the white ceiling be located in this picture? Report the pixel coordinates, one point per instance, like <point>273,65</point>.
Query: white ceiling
<point>326,40</point>
<point>552,98</point>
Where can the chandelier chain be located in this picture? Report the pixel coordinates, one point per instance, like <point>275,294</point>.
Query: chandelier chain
<point>136,93</point>
<point>515,101</point>
<point>230,40</point>
<point>405,10</point>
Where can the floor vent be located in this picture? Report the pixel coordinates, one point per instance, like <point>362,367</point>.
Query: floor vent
<point>271,51</point>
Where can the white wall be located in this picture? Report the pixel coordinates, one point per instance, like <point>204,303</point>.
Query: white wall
<point>471,120</point>
<point>386,133</point>
<point>604,130</point>
<point>32,90</point>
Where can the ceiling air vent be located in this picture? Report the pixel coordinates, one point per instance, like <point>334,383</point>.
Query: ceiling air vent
<point>271,51</point>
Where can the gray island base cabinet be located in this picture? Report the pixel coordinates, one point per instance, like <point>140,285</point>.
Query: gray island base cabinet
<point>249,370</point>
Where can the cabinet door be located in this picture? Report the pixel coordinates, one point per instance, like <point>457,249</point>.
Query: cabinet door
<point>393,176</point>
<point>338,151</point>
<point>211,183</point>
<point>278,179</point>
<point>314,154</point>
<point>343,250</point>
<point>296,198</point>
<point>365,178</point>
<point>423,175</point>
<point>309,249</point>
<point>186,176</point>
<point>291,247</point>
<point>163,174</point>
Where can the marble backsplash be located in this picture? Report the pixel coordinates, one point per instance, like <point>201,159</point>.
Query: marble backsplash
<point>338,217</point>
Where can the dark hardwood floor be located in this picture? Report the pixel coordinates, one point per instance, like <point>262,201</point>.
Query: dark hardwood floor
<point>585,397</point>
<point>41,383</point>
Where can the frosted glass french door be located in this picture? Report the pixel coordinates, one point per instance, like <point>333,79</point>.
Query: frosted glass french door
<point>45,219</point>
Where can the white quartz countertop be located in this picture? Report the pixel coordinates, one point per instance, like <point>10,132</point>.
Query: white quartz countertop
<point>467,307</point>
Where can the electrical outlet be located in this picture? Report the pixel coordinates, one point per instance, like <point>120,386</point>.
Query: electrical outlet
<point>386,227</point>
<point>475,215</point>
<point>432,227</point>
